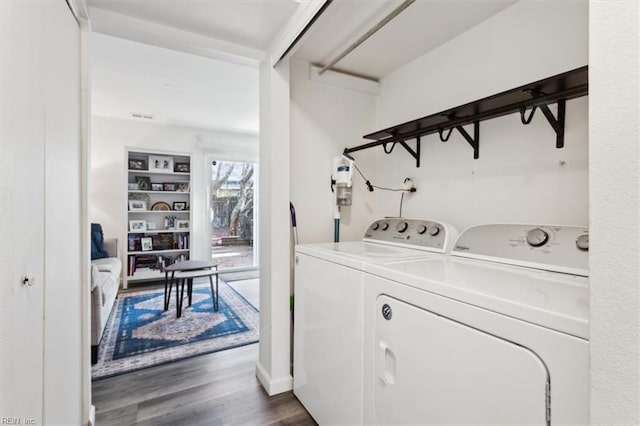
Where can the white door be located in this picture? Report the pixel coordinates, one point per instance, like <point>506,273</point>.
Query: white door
<point>327,344</point>
<point>22,152</point>
<point>433,370</point>
<point>39,207</point>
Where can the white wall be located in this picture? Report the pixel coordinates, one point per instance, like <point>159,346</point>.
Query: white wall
<point>325,119</point>
<point>614,255</point>
<point>111,136</point>
<point>520,175</point>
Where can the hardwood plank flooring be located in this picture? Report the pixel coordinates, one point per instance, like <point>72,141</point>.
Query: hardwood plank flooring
<point>214,389</point>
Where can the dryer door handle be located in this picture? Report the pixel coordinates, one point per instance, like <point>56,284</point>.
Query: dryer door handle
<point>386,364</point>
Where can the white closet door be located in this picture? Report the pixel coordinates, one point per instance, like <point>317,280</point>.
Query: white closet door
<point>432,370</point>
<point>22,138</point>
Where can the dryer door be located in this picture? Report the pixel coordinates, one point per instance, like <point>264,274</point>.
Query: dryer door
<point>433,370</point>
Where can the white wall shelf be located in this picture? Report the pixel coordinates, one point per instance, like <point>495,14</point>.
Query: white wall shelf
<point>167,245</point>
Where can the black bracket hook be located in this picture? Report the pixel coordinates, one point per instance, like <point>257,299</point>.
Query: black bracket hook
<point>524,120</point>
<point>445,138</point>
<point>384,147</point>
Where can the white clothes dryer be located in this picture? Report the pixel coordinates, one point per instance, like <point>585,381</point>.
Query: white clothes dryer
<point>497,333</point>
<point>328,315</point>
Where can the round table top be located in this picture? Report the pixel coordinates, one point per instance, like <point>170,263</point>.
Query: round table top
<point>190,265</point>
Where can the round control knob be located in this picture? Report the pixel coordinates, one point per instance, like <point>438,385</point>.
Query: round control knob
<point>402,226</point>
<point>582,242</point>
<point>385,226</point>
<point>434,230</point>
<point>375,226</point>
<point>422,229</point>
<point>537,237</point>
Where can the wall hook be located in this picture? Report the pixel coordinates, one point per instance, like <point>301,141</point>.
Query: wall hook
<point>445,138</point>
<point>384,146</point>
<point>523,110</point>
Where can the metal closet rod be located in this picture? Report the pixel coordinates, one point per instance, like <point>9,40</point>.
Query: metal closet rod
<point>368,34</point>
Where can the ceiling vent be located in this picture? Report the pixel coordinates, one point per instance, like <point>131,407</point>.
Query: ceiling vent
<point>144,116</point>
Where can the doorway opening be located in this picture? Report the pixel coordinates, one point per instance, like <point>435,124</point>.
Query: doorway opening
<point>232,214</point>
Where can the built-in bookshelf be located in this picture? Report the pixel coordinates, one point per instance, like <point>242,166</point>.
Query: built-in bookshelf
<point>158,213</point>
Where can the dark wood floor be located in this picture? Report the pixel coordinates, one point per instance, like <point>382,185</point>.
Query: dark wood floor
<point>215,389</point>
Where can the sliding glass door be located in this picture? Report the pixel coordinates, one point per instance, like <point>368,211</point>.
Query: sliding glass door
<point>232,214</point>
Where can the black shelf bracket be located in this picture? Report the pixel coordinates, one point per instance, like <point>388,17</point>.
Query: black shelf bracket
<point>473,141</point>
<point>557,124</point>
<point>539,94</point>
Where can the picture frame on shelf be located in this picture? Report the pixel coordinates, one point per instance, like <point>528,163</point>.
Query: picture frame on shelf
<point>144,183</point>
<point>146,243</point>
<point>137,205</point>
<point>182,224</point>
<point>169,223</point>
<point>182,186</point>
<point>156,187</point>
<point>132,186</point>
<point>151,226</point>
<point>179,205</point>
<point>182,168</point>
<point>169,186</point>
<point>160,163</point>
<point>137,225</point>
<point>137,164</point>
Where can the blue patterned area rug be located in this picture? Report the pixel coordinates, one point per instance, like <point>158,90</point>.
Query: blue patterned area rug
<point>139,334</point>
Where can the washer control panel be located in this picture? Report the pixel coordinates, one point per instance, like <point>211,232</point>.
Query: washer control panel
<point>415,233</point>
<point>548,247</point>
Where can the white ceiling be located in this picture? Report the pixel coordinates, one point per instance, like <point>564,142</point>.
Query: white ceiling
<point>423,26</point>
<point>251,23</point>
<point>175,88</point>
<point>214,85</point>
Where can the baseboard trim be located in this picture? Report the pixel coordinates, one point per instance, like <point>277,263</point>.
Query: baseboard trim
<point>92,416</point>
<point>271,386</point>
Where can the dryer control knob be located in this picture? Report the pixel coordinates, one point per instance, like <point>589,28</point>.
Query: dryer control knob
<point>422,229</point>
<point>537,237</point>
<point>385,226</point>
<point>375,226</point>
<point>434,230</point>
<point>582,242</point>
<point>402,226</point>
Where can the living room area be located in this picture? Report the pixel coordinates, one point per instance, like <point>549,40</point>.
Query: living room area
<point>173,172</point>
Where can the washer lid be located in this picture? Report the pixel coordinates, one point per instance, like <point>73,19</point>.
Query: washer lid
<point>549,299</point>
<point>356,253</point>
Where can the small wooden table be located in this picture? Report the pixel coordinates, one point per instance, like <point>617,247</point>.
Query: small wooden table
<point>186,271</point>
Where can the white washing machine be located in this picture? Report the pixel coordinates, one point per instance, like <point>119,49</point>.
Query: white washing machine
<point>497,333</point>
<point>328,322</point>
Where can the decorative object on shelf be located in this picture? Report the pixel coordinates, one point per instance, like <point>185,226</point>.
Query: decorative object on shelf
<point>137,205</point>
<point>163,242</point>
<point>160,206</point>
<point>137,225</point>
<point>151,226</point>
<point>146,244</point>
<point>169,222</point>
<point>179,205</point>
<point>169,186</point>
<point>182,168</point>
<point>182,186</point>
<point>182,224</point>
<point>160,163</point>
<point>140,196</point>
<point>144,183</point>
<point>137,164</point>
<point>133,186</point>
<point>156,187</point>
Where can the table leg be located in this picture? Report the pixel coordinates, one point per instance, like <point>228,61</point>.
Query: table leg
<point>179,297</point>
<point>190,289</point>
<point>168,284</point>
<point>214,292</point>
